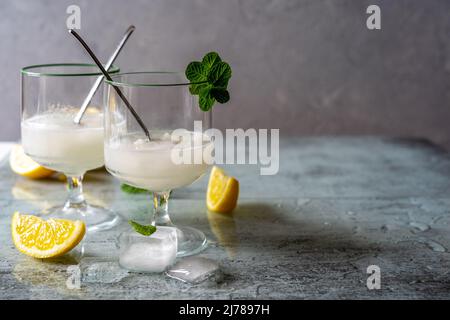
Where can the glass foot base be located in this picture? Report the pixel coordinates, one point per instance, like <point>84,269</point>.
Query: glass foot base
<point>190,241</point>
<point>96,218</point>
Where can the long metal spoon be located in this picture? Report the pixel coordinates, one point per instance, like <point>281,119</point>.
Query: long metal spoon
<point>97,83</point>
<point>107,76</point>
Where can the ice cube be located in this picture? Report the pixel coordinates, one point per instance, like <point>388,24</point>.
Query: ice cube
<point>152,253</point>
<point>94,270</point>
<point>193,269</point>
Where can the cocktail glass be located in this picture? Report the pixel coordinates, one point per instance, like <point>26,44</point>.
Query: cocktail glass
<point>163,101</point>
<point>51,96</point>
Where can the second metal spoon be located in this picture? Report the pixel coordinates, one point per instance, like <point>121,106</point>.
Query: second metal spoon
<point>97,83</point>
<point>108,77</point>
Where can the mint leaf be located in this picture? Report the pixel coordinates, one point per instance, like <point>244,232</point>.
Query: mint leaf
<point>210,59</point>
<point>206,100</point>
<point>142,229</point>
<point>196,72</point>
<point>209,80</point>
<point>221,95</point>
<point>130,189</point>
<point>196,88</point>
<point>219,75</point>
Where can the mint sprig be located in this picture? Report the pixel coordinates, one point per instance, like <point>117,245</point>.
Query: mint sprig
<point>130,189</point>
<point>209,80</point>
<point>142,229</point>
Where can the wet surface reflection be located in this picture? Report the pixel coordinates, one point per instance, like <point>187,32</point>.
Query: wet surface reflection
<point>223,227</point>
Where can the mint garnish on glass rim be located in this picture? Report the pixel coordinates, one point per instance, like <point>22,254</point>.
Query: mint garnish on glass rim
<point>209,80</point>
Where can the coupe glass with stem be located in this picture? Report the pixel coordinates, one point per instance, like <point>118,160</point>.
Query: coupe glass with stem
<point>163,101</point>
<point>51,97</point>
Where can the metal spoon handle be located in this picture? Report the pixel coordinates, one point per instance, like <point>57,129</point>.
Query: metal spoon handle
<point>107,76</point>
<point>99,80</point>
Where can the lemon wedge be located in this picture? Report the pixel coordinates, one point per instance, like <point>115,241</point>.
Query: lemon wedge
<point>25,166</point>
<point>223,191</point>
<point>40,238</point>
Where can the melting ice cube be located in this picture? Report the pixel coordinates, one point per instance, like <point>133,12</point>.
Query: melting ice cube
<point>152,253</point>
<point>96,270</point>
<point>193,269</point>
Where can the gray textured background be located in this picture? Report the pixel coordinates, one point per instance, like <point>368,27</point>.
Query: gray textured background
<point>307,67</point>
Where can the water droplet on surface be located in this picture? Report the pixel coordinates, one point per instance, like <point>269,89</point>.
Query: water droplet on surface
<point>419,226</point>
<point>389,227</point>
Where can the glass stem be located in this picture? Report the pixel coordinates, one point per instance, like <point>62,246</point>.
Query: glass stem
<point>160,208</point>
<point>75,188</point>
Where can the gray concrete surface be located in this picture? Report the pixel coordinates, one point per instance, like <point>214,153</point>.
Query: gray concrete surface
<point>308,67</point>
<point>337,206</point>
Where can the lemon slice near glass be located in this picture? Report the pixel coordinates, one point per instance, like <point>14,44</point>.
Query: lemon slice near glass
<point>25,166</point>
<point>223,191</point>
<point>40,238</point>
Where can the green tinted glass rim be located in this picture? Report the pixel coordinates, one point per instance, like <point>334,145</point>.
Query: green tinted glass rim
<point>28,70</point>
<point>146,84</point>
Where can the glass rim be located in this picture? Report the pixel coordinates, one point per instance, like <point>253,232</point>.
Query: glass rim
<point>28,70</point>
<point>146,84</point>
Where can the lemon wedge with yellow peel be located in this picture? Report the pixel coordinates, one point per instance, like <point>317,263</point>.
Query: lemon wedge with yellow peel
<point>40,238</point>
<point>25,166</point>
<point>223,191</point>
